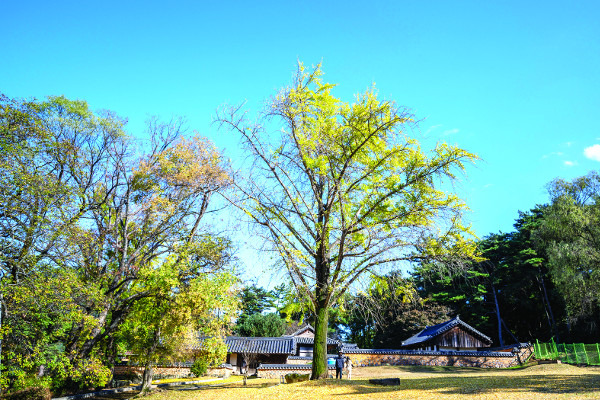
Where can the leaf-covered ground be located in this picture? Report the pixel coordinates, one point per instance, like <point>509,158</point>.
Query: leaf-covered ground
<point>538,382</point>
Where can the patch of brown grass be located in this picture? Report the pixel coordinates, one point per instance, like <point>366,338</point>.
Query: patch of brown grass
<point>548,381</point>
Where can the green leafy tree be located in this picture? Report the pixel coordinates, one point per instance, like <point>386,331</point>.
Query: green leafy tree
<point>338,189</point>
<point>570,233</point>
<point>50,158</point>
<point>254,300</point>
<point>262,325</point>
<point>82,203</point>
<point>154,209</point>
<point>169,325</point>
<point>512,281</point>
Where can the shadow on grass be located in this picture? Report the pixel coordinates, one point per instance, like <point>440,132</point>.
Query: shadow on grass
<point>228,386</point>
<point>114,396</point>
<point>430,369</point>
<point>486,384</point>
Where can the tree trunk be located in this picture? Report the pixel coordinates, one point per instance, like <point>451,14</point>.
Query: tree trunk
<point>549,309</point>
<point>148,370</point>
<point>319,365</point>
<point>498,317</point>
<point>147,379</point>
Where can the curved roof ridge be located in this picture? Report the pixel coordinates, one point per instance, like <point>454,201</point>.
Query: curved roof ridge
<point>302,329</point>
<point>431,331</point>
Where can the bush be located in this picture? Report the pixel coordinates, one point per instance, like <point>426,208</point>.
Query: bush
<point>31,393</point>
<point>293,378</point>
<point>199,367</point>
<point>91,373</point>
<point>28,381</point>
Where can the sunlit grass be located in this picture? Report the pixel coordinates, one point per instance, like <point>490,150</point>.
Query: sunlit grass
<point>537,382</point>
<point>204,379</point>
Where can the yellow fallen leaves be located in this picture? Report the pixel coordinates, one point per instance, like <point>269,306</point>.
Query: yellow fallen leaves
<point>424,383</point>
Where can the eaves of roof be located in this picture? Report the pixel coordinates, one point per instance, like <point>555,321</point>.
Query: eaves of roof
<point>309,340</point>
<point>430,353</point>
<point>307,367</point>
<point>278,345</point>
<point>435,330</point>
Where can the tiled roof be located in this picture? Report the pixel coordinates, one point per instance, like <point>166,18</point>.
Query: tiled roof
<point>301,330</point>
<point>430,353</point>
<point>307,367</point>
<point>264,345</point>
<point>306,358</point>
<point>310,340</point>
<point>435,330</point>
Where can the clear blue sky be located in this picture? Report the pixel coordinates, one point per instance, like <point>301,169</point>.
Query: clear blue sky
<point>516,82</point>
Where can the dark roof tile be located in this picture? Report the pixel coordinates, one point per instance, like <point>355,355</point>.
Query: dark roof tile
<point>435,330</point>
<point>277,345</point>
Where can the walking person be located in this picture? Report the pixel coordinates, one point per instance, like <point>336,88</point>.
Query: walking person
<point>349,367</point>
<point>339,365</point>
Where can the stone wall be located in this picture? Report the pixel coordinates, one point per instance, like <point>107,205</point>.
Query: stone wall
<point>362,358</point>
<point>167,371</point>
<point>159,371</point>
<point>275,372</point>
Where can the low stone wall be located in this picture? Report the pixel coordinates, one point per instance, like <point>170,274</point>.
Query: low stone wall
<point>274,371</point>
<point>159,371</point>
<point>364,357</point>
<point>167,371</point>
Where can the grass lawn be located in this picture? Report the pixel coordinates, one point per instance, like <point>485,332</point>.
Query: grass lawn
<point>550,381</point>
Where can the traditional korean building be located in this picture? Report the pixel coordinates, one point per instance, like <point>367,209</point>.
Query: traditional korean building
<point>287,349</point>
<point>452,335</point>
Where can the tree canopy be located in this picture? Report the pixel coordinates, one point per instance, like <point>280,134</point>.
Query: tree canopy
<point>570,233</point>
<point>339,189</point>
<point>93,226</point>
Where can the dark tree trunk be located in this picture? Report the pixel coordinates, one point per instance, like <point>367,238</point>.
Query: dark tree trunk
<point>147,378</point>
<point>148,369</point>
<point>549,309</point>
<point>319,365</point>
<point>498,317</point>
<point>322,296</point>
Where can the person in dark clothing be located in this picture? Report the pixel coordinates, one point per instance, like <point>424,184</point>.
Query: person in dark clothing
<point>339,365</point>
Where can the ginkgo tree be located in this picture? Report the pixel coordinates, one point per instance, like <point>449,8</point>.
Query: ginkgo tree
<point>338,189</point>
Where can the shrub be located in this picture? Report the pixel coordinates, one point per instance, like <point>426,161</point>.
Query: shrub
<point>31,393</point>
<point>28,381</point>
<point>199,367</point>
<point>91,373</point>
<point>293,378</point>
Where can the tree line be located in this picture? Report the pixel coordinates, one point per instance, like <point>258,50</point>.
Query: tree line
<point>106,247</point>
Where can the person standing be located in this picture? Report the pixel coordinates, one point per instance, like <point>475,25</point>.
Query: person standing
<point>339,365</point>
<point>349,367</point>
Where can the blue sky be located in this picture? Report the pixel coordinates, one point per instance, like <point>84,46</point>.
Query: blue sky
<point>515,82</point>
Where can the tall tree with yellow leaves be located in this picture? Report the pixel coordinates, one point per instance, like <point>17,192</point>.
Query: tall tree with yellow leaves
<point>339,189</point>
